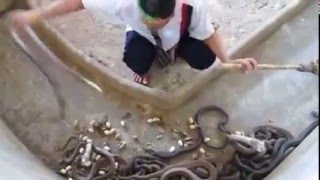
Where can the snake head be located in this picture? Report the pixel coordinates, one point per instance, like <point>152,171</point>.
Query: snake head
<point>240,133</point>
<point>149,150</point>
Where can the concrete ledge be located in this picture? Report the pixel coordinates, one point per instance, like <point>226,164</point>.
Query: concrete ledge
<point>268,28</point>
<point>17,162</point>
<point>105,77</point>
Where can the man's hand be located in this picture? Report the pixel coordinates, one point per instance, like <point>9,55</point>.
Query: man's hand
<point>248,64</point>
<point>20,18</point>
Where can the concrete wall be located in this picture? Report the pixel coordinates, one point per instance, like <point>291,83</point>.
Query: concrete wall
<point>16,162</point>
<point>303,163</point>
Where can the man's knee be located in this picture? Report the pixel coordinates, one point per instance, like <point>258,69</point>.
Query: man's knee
<point>203,65</point>
<point>137,62</point>
<point>196,53</point>
<point>202,57</point>
<point>139,53</point>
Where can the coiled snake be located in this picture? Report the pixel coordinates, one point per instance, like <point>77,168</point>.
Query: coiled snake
<point>245,165</point>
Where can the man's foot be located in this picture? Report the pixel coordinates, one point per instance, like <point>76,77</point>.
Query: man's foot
<point>141,79</point>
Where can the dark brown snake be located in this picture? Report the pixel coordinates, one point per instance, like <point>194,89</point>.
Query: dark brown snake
<point>70,154</point>
<point>195,169</point>
<point>187,169</point>
<point>199,140</point>
<point>106,163</point>
<point>282,152</point>
<point>143,167</point>
<point>281,143</point>
<point>183,169</point>
<point>179,171</point>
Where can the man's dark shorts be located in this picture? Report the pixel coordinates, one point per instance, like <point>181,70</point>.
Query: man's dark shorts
<point>139,53</point>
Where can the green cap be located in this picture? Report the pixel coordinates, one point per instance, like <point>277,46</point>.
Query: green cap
<point>158,8</point>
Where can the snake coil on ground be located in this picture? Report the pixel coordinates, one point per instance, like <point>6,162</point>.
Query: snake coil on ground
<point>280,144</point>
<point>199,140</point>
<point>244,165</point>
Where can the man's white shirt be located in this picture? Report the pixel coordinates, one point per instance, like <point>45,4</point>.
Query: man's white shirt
<point>129,12</point>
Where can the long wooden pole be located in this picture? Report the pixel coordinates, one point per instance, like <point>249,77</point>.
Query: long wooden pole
<point>229,66</point>
<point>313,67</point>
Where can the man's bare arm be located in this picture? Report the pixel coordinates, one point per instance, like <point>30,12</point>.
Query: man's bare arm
<point>21,18</point>
<point>217,45</point>
<point>59,8</point>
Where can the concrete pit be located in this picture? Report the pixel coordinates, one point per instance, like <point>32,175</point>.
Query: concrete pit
<point>32,126</point>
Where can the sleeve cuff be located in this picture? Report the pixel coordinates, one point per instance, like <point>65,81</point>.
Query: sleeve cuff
<point>203,35</point>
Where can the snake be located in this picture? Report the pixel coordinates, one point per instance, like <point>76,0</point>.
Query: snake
<point>214,161</point>
<point>221,124</point>
<point>106,163</point>
<point>282,151</point>
<point>243,149</point>
<point>70,154</point>
<point>279,143</point>
<point>260,161</point>
<point>144,164</point>
<point>267,132</point>
<point>188,164</point>
<point>112,159</point>
<point>179,171</point>
<point>200,135</point>
<point>229,172</point>
<point>80,175</point>
<point>141,162</point>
